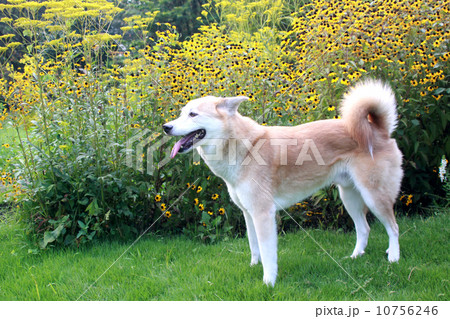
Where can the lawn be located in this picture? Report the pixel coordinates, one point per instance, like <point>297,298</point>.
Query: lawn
<point>176,268</point>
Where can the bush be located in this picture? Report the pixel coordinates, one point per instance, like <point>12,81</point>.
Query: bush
<point>80,100</point>
<point>407,46</point>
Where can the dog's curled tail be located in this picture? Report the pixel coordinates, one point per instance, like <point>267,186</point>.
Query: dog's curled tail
<point>368,106</point>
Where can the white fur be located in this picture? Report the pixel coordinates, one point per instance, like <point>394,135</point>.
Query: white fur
<point>375,92</point>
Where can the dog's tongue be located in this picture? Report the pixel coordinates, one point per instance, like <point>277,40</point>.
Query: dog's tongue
<point>178,144</point>
<point>176,148</point>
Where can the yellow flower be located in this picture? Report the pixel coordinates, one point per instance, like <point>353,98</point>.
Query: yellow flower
<point>221,211</point>
<point>199,189</point>
<point>210,213</point>
<point>215,196</point>
<point>201,207</point>
<point>6,145</point>
<point>163,207</point>
<point>195,201</point>
<point>409,200</point>
<point>168,214</point>
<point>157,198</point>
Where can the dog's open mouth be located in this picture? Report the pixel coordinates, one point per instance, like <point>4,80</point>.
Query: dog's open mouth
<point>186,143</point>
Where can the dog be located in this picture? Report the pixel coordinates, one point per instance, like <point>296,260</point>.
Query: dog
<point>269,168</point>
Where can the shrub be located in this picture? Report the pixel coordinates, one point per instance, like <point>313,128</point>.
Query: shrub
<point>406,45</point>
<point>80,99</point>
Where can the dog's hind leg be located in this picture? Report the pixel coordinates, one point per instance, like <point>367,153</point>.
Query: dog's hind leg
<point>382,207</point>
<point>354,204</point>
<point>266,231</point>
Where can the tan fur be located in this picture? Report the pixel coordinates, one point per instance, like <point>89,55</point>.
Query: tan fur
<point>270,168</point>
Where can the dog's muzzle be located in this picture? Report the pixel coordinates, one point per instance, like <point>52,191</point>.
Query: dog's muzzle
<point>186,143</point>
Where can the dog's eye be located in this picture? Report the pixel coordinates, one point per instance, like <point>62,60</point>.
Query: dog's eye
<point>192,114</point>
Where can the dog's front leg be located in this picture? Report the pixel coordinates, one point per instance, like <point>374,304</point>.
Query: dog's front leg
<point>251,233</point>
<point>266,232</point>
<point>252,238</point>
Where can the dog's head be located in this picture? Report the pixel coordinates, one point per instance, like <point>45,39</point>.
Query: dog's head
<point>201,119</point>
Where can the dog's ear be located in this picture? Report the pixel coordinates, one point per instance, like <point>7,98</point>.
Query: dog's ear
<point>231,104</point>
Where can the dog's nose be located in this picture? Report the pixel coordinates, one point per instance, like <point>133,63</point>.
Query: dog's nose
<point>167,128</point>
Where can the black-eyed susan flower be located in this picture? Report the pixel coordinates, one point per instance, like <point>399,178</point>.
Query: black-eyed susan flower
<point>157,198</point>
<point>215,196</point>
<point>221,211</point>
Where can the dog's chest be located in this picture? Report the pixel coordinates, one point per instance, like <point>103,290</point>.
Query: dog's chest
<point>221,167</point>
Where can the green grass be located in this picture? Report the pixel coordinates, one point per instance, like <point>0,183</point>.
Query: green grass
<point>163,268</point>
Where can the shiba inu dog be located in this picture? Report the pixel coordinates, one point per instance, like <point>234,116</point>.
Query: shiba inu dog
<point>269,168</point>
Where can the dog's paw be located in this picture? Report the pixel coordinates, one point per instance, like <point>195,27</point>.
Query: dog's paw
<point>254,263</point>
<point>255,260</point>
<point>269,280</point>
<point>270,275</point>
<point>357,253</point>
<point>393,258</point>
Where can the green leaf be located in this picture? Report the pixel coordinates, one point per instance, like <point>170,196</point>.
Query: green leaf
<point>51,236</point>
<point>93,208</point>
<point>439,90</point>
<point>84,201</point>
<point>416,146</point>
